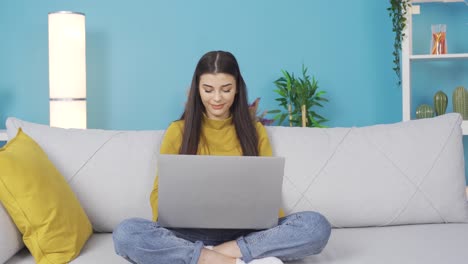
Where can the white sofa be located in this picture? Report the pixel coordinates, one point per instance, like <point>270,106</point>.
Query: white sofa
<point>394,193</point>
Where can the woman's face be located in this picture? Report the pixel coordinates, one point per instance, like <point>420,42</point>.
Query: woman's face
<point>217,92</point>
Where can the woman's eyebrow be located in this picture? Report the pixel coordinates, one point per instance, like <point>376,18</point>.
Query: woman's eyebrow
<point>222,86</point>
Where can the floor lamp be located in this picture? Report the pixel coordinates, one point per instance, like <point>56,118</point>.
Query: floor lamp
<point>67,69</point>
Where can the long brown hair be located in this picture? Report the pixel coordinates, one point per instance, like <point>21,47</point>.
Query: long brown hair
<point>218,62</point>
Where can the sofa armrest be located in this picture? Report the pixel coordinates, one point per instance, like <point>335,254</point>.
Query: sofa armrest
<point>10,238</point>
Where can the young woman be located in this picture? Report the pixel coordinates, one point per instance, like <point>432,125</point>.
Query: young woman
<point>216,121</point>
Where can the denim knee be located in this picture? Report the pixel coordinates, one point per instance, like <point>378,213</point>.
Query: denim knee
<point>316,230</point>
<point>122,234</point>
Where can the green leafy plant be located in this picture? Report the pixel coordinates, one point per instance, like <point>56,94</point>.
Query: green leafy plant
<point>286,88</point>
<point>308,97</point>
<point>398,11</point>
<point>299,98</point>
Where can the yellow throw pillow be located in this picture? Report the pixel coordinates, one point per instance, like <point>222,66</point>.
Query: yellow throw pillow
<point>41,203</point>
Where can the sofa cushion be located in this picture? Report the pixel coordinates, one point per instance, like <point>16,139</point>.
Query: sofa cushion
<point>98,249</point>
<point>10,240</point>
<point>40,202</point>
<point>428,244</point>
<point>403,173</point>
<point>409,244</point>
<point>111,172</point>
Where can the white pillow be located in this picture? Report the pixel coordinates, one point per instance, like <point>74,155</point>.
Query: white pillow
<point>111,172</point>
<point>403,173</point>
<point>10,237</point>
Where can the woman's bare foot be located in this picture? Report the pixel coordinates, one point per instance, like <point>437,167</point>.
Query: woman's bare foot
<point>229,248</point>
<point>208,256</point>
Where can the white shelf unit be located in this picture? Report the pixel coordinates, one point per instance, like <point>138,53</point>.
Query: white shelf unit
<point>451,56</point>
<point>407,57</point>
<point>440,1</point>
<point>3,135</point>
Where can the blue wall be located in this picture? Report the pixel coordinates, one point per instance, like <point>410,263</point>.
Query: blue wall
<point>141,56</point>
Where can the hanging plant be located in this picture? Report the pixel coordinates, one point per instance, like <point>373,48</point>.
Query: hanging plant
<point>398,10</point>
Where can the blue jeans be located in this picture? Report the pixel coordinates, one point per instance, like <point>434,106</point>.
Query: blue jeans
<point>296,236</point>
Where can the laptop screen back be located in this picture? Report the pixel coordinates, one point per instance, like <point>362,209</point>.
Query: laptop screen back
<point>199,191</point>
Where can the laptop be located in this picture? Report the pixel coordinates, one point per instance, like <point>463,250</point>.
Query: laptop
<point>232,192</point>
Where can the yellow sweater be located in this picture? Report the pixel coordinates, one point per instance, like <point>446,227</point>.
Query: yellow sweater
<point>218,137</point>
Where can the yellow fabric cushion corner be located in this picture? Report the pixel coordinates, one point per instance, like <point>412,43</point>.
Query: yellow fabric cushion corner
<point>41,203</point>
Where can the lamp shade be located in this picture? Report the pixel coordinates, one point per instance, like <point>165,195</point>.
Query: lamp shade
<point>67,69</point>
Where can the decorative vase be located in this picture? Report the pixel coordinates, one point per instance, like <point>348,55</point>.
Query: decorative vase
<point>424,111</point>
<point>440,102</point>
<point>460,101</point>
<point>439,40</point>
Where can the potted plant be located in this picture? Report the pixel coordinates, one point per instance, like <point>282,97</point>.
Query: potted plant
<point>298,97</point>
<point>253,109</point>
<point>307,97</point>
<point>286,88</point>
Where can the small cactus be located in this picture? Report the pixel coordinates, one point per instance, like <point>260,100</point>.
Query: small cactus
<point>440,103</point>
<point>460,101</point>
<point>424,111</point>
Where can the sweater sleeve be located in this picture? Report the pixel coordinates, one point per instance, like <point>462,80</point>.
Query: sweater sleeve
<point>264,149</point>
<point>170,145</point>
<point>172,139</point>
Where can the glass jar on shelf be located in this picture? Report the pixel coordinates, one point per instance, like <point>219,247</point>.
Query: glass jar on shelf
<point>439,39</point>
